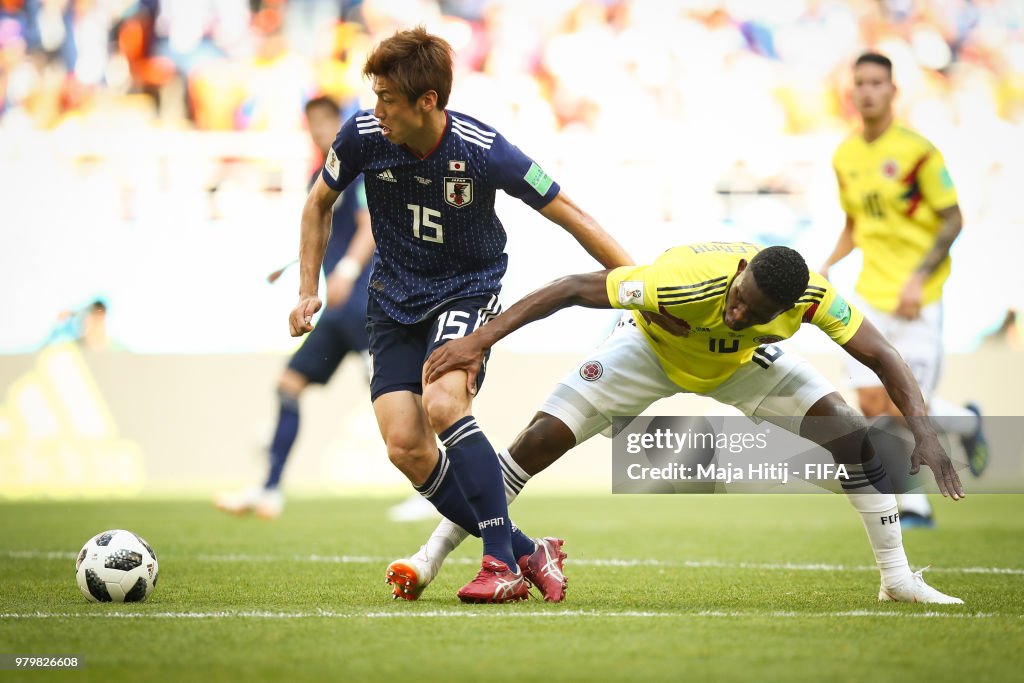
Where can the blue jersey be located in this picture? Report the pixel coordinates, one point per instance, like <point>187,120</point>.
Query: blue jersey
<point>433,219</point>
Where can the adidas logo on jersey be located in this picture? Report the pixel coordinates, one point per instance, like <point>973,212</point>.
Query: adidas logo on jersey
<point>387,175</point>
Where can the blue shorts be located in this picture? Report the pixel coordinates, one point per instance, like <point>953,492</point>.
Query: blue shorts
<point>399,351</point>
<point>339,330</point>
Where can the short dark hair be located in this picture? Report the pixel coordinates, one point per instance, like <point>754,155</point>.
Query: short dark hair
<point>780,273</point>
<point>416,61</point>
<point>325,102</point>
<point>875,58</point>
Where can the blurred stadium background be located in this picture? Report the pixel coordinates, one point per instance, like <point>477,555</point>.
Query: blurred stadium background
<point>153,164</point>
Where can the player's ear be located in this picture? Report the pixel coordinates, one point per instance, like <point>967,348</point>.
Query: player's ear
<point>428,101</point>
<point>741,266</point>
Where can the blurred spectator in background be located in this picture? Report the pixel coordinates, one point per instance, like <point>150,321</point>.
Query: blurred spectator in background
<point>725,84</point>
<point>86,326</point>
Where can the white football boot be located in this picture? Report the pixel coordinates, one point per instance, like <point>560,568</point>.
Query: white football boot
<point>270,504</point>
<point>238,502</point>
<point>266,503</point>
<point>409,576</point>
<point>914,589</point>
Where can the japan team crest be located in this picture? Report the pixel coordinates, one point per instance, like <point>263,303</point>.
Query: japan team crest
<point>458,192</point>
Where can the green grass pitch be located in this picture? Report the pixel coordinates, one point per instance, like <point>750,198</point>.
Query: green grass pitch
<point>680,588</point>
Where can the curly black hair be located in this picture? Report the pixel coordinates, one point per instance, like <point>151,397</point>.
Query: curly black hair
<point>780,273</point>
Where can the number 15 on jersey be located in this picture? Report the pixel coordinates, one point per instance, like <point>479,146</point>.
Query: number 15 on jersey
<point>422,217</point>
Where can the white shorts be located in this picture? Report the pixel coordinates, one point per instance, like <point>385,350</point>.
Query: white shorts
<point>623,376</point>
<point>919,341</point>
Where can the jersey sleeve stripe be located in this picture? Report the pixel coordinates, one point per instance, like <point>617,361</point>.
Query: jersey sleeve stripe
<point>693,292</point>
<point>694,286</point>
<point>475,141</point>
<point>469,127</point>
<point>366,117</point>
<point>817,289</point>
<point>913,192</point>
<point>809,313</point>
<point>364,131</point>
<point>669,301</point>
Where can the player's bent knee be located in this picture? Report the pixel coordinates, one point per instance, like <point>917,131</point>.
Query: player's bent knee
<point>544,441</point>
<point>833,424</point>
<point>442,407</point>
<point>292,383</point>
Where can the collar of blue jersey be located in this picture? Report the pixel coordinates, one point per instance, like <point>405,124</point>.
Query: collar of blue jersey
<point>444,134</point>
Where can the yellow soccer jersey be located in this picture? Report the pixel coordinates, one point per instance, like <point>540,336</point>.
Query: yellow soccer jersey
<point>893,189</point>
<point>691,282</point>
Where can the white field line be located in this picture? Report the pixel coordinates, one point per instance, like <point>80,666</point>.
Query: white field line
<point>485,612</point>
<point>582,562</point>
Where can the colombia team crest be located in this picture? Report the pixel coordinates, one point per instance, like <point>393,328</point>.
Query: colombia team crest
<point>458,191</point>
<point>591,370</point>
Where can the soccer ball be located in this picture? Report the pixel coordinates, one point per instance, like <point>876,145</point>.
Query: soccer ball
<point>116,566</point>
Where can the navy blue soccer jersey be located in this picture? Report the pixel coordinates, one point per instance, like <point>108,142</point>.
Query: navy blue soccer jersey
<point>438,237</point>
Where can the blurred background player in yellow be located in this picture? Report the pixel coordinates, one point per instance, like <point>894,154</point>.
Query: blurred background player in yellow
<point>902,212</point>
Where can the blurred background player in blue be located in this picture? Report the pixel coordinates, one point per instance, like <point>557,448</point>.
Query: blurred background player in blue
<point>431,177</point>
<point>903,213</point>
<point>342,327</point>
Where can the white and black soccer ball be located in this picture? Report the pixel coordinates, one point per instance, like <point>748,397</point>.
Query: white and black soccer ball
<point>116,566</point>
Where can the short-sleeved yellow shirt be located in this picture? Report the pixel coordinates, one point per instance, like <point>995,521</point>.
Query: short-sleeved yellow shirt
<point>893,189</point>
<point>691,282</point>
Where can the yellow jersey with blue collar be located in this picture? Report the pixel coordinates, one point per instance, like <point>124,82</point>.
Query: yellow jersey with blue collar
<point>894,188</point>
<point>691,283</point>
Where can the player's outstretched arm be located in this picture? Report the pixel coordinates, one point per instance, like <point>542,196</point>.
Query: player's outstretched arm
<point>582,226</point>
<point>316,229</point>
<point>873,350</point>
<point>467,353</point>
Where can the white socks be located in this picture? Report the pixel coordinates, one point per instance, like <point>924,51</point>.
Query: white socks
<point>514,475</point>
<point>880,517</point>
